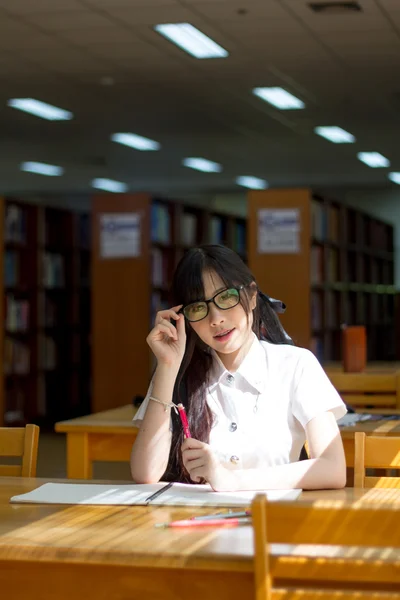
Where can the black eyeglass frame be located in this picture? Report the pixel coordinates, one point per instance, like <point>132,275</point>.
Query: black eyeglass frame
<point>238,288</point>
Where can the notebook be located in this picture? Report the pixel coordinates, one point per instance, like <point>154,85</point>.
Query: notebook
<point>179,494</point>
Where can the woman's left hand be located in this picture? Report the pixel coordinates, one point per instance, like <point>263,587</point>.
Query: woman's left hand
<point>202,464</point>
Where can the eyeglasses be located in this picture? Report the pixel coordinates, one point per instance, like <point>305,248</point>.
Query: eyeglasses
<point>224,300</point>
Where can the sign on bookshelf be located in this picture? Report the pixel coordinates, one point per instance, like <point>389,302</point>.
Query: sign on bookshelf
<point>120,235</point>
<point>278,231</point>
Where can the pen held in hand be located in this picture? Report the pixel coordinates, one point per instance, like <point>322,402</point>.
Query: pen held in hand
<point>184,421</point>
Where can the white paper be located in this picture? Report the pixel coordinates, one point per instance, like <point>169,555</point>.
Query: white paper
<point>278,231</point>
<point>179,495</point>
<point>120,235</point>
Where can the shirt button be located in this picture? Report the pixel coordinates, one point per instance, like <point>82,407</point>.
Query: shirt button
<point>232,427</point>
<point>230,378</point>
<point>234,459</point>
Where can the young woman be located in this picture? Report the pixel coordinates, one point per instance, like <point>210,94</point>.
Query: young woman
<point>252,398</point>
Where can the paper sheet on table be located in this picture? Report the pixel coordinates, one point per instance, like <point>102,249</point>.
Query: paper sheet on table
<point>179,494</point>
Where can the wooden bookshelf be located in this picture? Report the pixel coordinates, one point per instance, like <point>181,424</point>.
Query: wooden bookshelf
<point>342,272</point>
<point>127,292</point>
<point>43,378</point>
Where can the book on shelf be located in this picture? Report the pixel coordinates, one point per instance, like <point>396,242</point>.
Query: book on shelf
<point>331,310</point>
<point>17,314</point>
<point>319,222</point>
<point>11,268</point>
<point>378,236</point>
<point>14,406</point>
<point>47,311</point>
<point>316,310</point>
<point>333,265</point>
<point>16,357</point>
<point>333,223</point>
<point>47,353</point>
<point>159,268</point>
<point>215,232</point>
<point>317,347</point>
<point>15,224</point>
<point>239,238</point>
<point>160,226</point>
<point>188,229</point>
<point>317,264</point>
<point>157,303</point>
<point>84,271</point>
<point>53,272</point>
<point>362,308</point>
<point>84,239</point>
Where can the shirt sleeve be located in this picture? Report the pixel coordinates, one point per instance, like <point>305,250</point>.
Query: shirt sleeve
<point>313,393</point>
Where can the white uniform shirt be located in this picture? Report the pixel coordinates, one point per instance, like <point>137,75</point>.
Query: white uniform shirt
<point>261,410</point>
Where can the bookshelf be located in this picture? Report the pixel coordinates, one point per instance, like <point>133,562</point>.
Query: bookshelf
<point>128,291</point>
<point>46,356</point>
<point>342,273</point>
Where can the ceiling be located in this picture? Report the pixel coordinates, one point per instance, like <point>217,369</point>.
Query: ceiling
<point>345,67</point>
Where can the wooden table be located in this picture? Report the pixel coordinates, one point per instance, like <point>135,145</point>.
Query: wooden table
<point>104,436</point>
<point>109,435</point>
<point>115,552</point>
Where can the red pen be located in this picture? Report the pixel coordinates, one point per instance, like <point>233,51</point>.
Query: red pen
<point>185,424</point>
<point>208,523</point>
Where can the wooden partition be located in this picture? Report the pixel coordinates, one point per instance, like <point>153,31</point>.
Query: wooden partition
<point>281,275</point>
<point>2,394</point>
<point>120,308</point>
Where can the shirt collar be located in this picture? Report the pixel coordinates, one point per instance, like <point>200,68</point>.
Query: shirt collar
<point>253,367</point>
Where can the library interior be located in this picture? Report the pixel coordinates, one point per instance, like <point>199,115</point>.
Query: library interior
<point>132,133</point>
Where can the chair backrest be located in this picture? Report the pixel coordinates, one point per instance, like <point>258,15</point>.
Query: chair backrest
<point>342,594</point>
<point>323,522</point>
<point>368,389</point>
<point>375,452</point>
<point>19,442</point>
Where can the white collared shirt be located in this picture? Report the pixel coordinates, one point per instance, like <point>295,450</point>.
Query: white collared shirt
<point>261,410</point>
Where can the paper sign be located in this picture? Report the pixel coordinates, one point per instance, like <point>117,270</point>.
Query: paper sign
<point>278,231</point>
<point>120,235</point>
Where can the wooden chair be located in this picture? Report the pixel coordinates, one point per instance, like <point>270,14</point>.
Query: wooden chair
<point>375,452</point>
<point>325,523</point>
<point>22,442</point>
<point>368,389</point>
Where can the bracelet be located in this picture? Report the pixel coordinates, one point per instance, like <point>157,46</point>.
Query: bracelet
<point>166,404</point>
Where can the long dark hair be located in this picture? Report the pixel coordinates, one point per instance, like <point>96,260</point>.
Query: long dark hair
<point>191,383</point>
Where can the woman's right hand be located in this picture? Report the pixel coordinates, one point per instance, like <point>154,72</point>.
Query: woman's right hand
<point>166,341</point>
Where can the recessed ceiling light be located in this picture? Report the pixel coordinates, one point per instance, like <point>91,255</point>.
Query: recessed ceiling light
<point>41,168</point>
<point>109,185</point>
<point>191,40</point>
<point>279,98</point>
<point>253,183</point>
<point>334,134</point>
<point>135,141</point>
<point>202,164</point>
<point>395,177</point>
<point>335,7</point>
<point>373,159</point>
<point>40,109</point>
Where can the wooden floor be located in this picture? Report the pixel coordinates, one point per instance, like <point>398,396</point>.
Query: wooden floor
<point>52,457</point>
